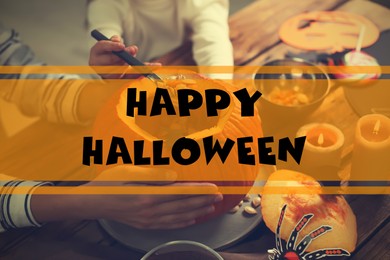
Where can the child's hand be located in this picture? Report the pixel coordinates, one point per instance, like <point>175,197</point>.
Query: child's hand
<point>101,55</point>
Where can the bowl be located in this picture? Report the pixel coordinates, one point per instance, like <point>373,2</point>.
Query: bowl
<point>182,249</point>
<point>291,88</point>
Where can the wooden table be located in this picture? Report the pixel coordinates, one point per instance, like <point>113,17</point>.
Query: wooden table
<point>87,240</point>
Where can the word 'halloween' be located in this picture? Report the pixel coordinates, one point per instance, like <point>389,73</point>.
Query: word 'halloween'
<point>189,99</point>
<point>187,151</point>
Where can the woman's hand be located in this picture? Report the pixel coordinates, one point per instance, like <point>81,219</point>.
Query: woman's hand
<point>141,211</point>
<point>156,211</point>
<point>151,211</point>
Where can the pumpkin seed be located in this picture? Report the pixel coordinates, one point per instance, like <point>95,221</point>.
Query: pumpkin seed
<point>250,210</point>
<point>235,209</point>
<point>247,197</point>
<point>302,98</point>
<point>256,202</point>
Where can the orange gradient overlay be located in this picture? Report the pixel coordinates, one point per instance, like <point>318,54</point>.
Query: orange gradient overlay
<point>61,159</point>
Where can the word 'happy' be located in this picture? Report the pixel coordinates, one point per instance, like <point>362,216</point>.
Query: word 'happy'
<point>189,99</point>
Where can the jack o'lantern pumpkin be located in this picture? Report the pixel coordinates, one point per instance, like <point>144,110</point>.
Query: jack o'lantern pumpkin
<point>113,120</point>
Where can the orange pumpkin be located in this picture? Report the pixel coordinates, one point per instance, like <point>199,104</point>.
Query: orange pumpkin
<point>329,210</point>
<point>113,121</point>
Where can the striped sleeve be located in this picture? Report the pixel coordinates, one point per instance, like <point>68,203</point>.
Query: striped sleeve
<point>55,99</point>
<point>15,210</point>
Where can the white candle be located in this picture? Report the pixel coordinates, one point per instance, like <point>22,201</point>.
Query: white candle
<point>371,152</point>
<point>322,150</point>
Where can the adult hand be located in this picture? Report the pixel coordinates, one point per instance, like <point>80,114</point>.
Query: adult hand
<point>142,211</point>
<point>152,211</point>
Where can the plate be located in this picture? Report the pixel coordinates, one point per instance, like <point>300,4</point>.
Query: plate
<point>218,233</point>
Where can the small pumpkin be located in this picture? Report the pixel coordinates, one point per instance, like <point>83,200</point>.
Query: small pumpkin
<point>113,121</point>
<point>328,210</point>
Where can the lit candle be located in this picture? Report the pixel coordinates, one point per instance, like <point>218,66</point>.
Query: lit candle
<point>322,152</point>
<point>371,152</point>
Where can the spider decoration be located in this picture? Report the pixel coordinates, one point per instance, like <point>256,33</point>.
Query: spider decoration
<point>289,251</point>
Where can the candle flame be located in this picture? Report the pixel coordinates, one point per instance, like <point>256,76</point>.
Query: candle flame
<point>377,127</point>
<point>321,139</point>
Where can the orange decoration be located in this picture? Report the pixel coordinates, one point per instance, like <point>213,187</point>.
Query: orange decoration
<point>328,210</point>
<point>113,121</point>
<point>327,31</point>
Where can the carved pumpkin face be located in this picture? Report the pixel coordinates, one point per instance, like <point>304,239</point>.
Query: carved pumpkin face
<point>113,121</point>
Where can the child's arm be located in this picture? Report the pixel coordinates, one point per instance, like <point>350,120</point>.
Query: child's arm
<point>211,42</point>
<point>107,16</point>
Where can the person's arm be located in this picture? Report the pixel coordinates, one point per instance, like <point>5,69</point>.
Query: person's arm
<point>211,42</point>
<point>15,210</point>
<point>67,104</point>
<point>63,98</point>
<point>140,211</point>
<point>54,97</point>
<point>107,16</point>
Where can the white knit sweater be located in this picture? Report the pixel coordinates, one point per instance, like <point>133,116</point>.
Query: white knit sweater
<point>159,26</point>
